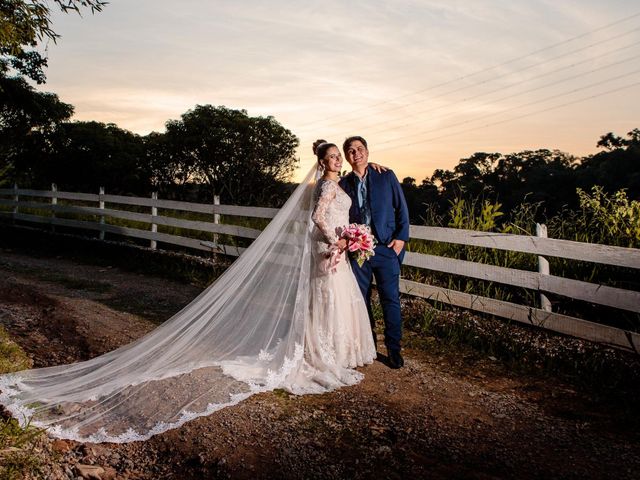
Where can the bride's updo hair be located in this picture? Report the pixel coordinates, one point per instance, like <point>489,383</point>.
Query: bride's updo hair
<point>320,148</point>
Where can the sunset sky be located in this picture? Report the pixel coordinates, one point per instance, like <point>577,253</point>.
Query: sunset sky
<point>426,82</point>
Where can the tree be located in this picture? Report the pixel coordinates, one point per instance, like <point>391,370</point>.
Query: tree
<point>28,116</point>
<point>617,167</point>
<point>537,176</point>
<point>169,169</point>
<point>420,198</point>
<point>474,175</point>
<point>241,158</point>
<point>23,24</point>
<point>82,156</point>
<point>610,142</point>
<point>27,119</point>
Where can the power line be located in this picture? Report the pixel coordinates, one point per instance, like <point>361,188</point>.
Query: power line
<point>549,47</point>
<point>484,94</point>
<point>516,107</point>
<point>555,107</point>
<point>557,82</point>
<point>482,82</point>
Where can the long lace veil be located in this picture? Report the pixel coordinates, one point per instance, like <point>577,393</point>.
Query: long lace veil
<point>244,334</point>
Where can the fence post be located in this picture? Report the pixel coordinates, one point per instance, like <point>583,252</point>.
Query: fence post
<point>543,267</point>
<point>54,202</point>
<point>154,213</point>
<point>216,218</point>
<point>16,199</point>
<point>101,207</point>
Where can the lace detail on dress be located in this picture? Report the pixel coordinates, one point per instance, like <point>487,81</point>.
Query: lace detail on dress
<point>338,337</point>
<point>277,379</point>
<point>331,210</point>
<point>24,414</point>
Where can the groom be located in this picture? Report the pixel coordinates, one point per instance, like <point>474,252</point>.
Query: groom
<point>377,200</point>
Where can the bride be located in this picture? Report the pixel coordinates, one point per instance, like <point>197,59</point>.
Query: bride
<point>284,315</point>
<point>338,336</point>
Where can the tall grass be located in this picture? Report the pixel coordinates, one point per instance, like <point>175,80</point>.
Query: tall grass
<point>485,216</point>
<point>610,219</point>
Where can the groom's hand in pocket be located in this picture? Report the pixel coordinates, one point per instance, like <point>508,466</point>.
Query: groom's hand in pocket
<point>397,245</point>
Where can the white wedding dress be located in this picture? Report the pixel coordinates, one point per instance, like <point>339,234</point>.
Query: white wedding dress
<point>338,337</point>
<point>274,319</point>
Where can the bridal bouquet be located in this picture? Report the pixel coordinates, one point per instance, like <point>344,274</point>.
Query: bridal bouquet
<point>360,241</point>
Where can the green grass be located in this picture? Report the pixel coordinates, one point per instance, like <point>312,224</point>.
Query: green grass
<point>12,357</point>
<point>17,444</point>
<point>18,458</point>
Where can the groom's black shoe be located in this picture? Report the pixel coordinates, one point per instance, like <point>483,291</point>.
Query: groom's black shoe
<point>395,359</point>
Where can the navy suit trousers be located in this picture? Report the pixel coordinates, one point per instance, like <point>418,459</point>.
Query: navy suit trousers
<point>385,267</point>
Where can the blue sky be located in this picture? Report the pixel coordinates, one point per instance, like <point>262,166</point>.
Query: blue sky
<point>426,82</point>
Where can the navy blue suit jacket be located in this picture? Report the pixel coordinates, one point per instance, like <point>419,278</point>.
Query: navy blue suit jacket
<point>389,213</point>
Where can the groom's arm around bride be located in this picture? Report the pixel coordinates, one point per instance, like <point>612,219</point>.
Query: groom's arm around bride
<point>378,201</point>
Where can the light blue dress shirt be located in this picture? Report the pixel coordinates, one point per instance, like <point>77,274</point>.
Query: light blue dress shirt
<point>363,199</point>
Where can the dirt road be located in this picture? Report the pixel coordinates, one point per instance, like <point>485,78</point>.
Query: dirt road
<point>450,413</point>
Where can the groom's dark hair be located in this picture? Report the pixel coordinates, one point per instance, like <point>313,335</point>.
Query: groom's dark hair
<point>347,143</point>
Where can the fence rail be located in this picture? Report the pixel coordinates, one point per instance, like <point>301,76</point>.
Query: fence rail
<point>552,247</point>
<point>541,282</point>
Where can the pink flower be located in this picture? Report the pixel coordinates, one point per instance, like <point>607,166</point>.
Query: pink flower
<point>360,241</point>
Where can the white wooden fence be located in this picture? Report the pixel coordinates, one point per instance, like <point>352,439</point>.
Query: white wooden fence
<point>14,203</point>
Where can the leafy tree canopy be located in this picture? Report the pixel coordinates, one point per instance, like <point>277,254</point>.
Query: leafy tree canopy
<point>27,118</point>
<point>25,23</point>
<point>546,178</point>
<point>83,156</point>
<point>243,159</point>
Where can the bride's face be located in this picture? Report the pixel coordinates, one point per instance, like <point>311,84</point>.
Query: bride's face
<point>332,160</point>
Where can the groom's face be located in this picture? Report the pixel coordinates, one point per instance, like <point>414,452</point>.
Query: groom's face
<point>357,154</point>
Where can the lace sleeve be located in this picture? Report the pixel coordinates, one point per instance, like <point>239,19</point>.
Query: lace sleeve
<point>319,216</point>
